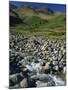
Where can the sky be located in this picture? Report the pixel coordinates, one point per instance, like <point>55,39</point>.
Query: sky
<point>54,7</point>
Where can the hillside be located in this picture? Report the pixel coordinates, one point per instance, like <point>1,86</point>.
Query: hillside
<point>38,21</point>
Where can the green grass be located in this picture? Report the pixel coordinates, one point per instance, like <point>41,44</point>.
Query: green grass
<point>35,24</point>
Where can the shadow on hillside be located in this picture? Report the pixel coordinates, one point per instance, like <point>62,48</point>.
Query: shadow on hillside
<point>14,20</point>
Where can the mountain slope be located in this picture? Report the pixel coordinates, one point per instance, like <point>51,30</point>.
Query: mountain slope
<point>38,21</point>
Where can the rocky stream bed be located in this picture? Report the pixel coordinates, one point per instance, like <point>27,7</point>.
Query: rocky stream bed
<point>35,62</point>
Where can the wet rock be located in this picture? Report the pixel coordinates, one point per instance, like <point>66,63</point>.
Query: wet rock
<point>46,68</point>
<point>45,80</point>
<point>64,70</point>
<point>41,84</point>
<point>16,86</point>
<point>13,79</point>
<point>34,77</point>
<point>55,63</point>
<point>24,83</point>
<point>31,82</point>
<point>56,68</point>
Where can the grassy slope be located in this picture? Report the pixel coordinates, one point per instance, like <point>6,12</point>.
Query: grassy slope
<point>39,24</point>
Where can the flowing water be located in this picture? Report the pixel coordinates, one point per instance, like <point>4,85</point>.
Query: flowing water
<point>43,79</point>
<point>58,81</point>
<point>36,66</point>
